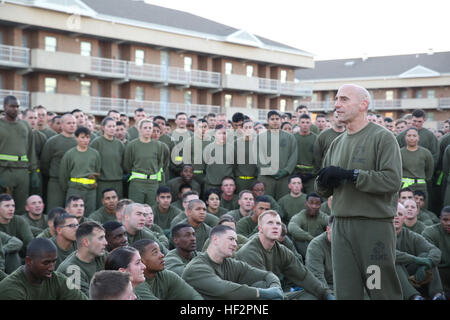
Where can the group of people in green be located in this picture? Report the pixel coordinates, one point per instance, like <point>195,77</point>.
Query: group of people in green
<point>219,209</point>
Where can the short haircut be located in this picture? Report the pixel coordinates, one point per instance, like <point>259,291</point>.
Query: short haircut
<point>320,115</point>
<point>219,230</point>
<point>105,121</point>
<point>76,110</point>
<point>109,190</point>
<point>272,113</point>
<point>130,208</point>
<point>293,177</point>
<point>55,118</point>
<point>138,110</point>
<point>419,113</point>
<point>120,257</point>
<point>184,186</point>
<point>238,116</point>
<point>411,128</point>
<point>108,284</point>
<point>219,127</point>
<point>306,116</point>
<point>388,119</point>
<point>271,212</point>
<point>187,194</point>
<point>258,182</point>
<point>226,218</point>
<point>110,226</point>
<point>300,107</point>
<point>193,202</point>
<point>9,99</point>
<point>40,246</point>
<point>123,203</point>
<point>444,210</point>
<point>180,114</point>
<point>5,197</point>
<point>262,199</point>
<point>86,229</point>
<point>72,199</point>
<point>241,194</point>
<point>112,111</point>
<point>227,178</point>
<point>401,121</point>
<point>120,123</point>
<point>55,212</point>
<point>81,130</point>
<point>285,124</point>
<point>201,121</point>
<point>210,115</point>
<point>404,190</point>
<point>159,118</point>
<point>313,195</point>
<point>140,245</point>
<point>177,229</point>
<point>288,114</point>
<point>61,219</point>
<point>162,189</point>
<point>420,193</point>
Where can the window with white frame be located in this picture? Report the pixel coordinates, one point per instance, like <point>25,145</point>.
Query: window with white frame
<point>86,48</point>
<point>283,76</point>
<point>249,71</point>
<point>50,44</point>
<point>139,93</point>
<point>139,57</point>
<point>431,94</point>
<point>85,88</point>
<point>282,105</point>
<point>51,85</point>
<point>228,67</point>
<point>249,102</point>
<point>389,95</point>
<point>228,100</point>
<point>187,64</point>
<point>188,97</point>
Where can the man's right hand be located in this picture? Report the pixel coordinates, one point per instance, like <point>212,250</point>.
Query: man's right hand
<point>274,293</point>
<point>427,262</point>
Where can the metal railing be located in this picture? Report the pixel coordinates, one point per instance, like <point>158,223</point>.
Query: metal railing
<point>15,55</point>
<point>104,65</point>
<point>23,96</point>
<point>101,104</point>
<point>146,71</point>
<point>169,110</point>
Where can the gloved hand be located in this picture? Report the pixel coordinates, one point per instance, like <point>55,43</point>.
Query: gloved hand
<point>274,293</point>
<point>330,296</point>
<point>280,174</point>
<point>35,181</point>
<point>332,176</point>
<point>421,274</point>
<point>427,262</point>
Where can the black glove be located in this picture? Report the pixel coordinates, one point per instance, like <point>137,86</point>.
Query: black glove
<point>332,176</point>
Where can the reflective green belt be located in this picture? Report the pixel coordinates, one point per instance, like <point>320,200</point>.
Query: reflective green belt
<point>198,171</point>
<point>440,178</point>
<point>136,175</point>
<point>83,180</point>
<point>246,178</point>
<point>409,182</point>
<point>7,157</point>
<point>179,158</point>
<point>301,166</point>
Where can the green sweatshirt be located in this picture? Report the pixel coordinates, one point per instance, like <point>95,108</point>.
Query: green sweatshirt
<point>322,143</point>
<point>219,161</point>
<point>39,141</point>
<point>230,204</point>
<point>146,234</point>
<point>211,220</point>
<point>111,155</point>
<point>318,259</point>
<point>197,147</point>
<point>417,228</point>
<point>417,164</point>
<point>100,215</point>
<point>45,234</point>
<point>146,158</point>
<point>17,287</point>
<point>374,151</point>
<point>164,219</point>
<point>305,151</point>
<point>18,228</point>
<point>48,132</point>
<point>201,233</point>
<point>176,263</point>
<point>167,285</point>
<point>16,139</point>
<point>304,228</point>
<point>285,150</point>
<point>290,206</point>
<point>52,153</point>
<point>245,153</point>
<point>411,244</point>
<point>36,226</point>
<point>221,212</point>
<point>246,226</point>
<point>63,254</point>
<point>72,265</point>
<point>230,280</point>
<point>8,245</point>
<point>438,237</point>
<point>175,183</point>
<point>426,139</point>
<point>283,263</point>
<point>132,133</point>
<point>144,292</point>
<point>76,164</point>
<point>159,234</point>
<point>236,214</point>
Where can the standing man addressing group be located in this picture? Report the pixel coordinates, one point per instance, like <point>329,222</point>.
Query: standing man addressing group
<point>362,171</point>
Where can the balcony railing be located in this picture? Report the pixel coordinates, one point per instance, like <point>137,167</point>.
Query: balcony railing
<point>169,110</point>
<point>23,96</point>
<point>16,56</point>
<point>103,105</point>
<point>110,66</point>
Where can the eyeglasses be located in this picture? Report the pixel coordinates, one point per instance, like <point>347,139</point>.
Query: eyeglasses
<point>72,226</point>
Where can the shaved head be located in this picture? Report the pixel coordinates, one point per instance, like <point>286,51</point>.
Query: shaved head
<point>359,91</point>
<point>39,247</point>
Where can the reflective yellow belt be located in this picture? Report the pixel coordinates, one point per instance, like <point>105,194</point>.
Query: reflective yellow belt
<point>409,182</point>
<point>7,157</point>
<point>179,158</point>
<point>137,175</point>
<point>246,178</point>
<point>83,180</point>
<point>198,171</point>
<point>301,166</point>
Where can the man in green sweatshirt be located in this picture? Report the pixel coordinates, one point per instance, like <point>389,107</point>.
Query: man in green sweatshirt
<point>362,170</point>
<point>107,212</point>
<point>17,155</point>
<point>183,236</point>
<point>163,211</point>
<point>35,217</point>
<point>294,201</point>
<point>37,280</point>
<point>265,253</point>
<point>196,215</point>
<point>165,284</point>
<point>215,275</point>
<point>80,167</point>
<point>325,138</point>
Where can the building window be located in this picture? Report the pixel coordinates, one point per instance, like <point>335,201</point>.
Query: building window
<point>404,94</point>
<point>431,94</point>
<point>249,71</point>
<point>418,94</point>
<point>86,48</point>
<point>50,44</point>
<point>139,94</point>
<point>283,105</point>
<point>50,85</point>
<point>24,83</point>
<point>283,76</point>
<point>390,95</point>
<point>228,67</point>
<point>139,57</point>
<point>85,88</point>
<point>24,41</point>
<point>187,64</point>
<point>228,100</point>
<point>249,102</point>
<point>314,97</point>
<point>188,97</point>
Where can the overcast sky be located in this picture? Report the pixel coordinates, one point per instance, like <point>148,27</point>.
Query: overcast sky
<point>334,29</point>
